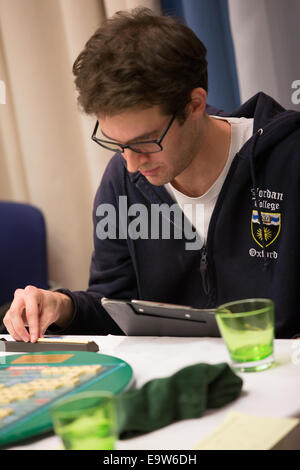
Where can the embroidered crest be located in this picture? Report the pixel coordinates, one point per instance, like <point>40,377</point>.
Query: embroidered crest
<point>271,227</point>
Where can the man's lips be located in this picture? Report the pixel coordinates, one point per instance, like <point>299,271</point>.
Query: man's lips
<point>149,172</point>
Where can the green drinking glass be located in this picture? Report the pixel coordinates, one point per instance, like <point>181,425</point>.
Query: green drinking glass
<point>86,421</point>
<point>247,327</point>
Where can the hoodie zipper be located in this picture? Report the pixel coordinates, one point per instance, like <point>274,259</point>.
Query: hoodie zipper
<point>203,271</point>
<point>203,262</point>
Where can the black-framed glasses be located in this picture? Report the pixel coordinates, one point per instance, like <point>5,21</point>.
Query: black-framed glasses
<point>146,146</point>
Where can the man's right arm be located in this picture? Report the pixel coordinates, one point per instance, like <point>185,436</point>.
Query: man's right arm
<point>80,312</point>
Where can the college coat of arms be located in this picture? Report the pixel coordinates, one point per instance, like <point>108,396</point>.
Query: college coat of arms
<point>271,227</point>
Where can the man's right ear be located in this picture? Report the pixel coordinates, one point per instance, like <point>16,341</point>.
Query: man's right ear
<point>197,104</point>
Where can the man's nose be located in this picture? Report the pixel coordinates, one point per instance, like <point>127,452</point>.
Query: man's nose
<point>134,160</point>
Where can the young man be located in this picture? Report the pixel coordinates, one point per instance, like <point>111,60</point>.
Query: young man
<point>195,207</point>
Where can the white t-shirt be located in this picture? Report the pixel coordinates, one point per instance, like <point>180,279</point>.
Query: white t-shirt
<point>199,209</point>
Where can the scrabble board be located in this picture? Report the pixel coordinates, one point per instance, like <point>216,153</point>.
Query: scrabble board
<point>31,383</point>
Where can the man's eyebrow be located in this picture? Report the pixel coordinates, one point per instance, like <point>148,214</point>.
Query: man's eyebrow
<point>136,139</point>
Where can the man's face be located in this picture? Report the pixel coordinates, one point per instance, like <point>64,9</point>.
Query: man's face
<point>136,125</point>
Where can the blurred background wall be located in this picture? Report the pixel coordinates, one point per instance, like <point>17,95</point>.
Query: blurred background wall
<point>46,156</point>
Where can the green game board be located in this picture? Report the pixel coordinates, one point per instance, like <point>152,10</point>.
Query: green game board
<point>28,415</point>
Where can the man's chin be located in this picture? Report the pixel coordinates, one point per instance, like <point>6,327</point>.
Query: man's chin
<point>156,180</point>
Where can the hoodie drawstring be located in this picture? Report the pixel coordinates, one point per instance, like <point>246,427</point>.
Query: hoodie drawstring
<point>256,196</point>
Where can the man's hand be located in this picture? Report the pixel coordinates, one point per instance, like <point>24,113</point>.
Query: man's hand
<point>37,309</point>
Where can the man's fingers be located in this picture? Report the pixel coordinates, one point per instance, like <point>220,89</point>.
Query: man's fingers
<point>13,319</point>
<point>8,325</point>
<point>48,316</point>
<point>43,327</point>
<point>33,305</point>
<point>15,325</point>
<point>41,306</point>
<point>24,310</point>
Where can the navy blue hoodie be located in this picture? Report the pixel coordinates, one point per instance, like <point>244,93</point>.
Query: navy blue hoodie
<point>240,260</point>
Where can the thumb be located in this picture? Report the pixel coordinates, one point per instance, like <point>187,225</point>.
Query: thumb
<point>46,320</point>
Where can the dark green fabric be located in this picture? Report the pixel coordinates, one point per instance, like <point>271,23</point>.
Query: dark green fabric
<point>184,395</point>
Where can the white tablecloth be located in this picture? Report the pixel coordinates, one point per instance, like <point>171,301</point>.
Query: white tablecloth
<point>273,392</point>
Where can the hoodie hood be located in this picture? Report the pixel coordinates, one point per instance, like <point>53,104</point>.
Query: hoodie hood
<point>275,121</point>
<point>272,124</point>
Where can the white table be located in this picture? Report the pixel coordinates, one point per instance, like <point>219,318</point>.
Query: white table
<point>273,392</point>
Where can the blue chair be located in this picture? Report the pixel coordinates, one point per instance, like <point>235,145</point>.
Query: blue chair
<point>23,249</point>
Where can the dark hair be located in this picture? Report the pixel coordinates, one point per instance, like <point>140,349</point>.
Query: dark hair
<point>138,58</point>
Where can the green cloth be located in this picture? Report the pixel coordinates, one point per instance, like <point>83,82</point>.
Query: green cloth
<point>184,395</point>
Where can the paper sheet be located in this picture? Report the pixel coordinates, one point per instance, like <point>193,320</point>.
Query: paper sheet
<point>241,431</point>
